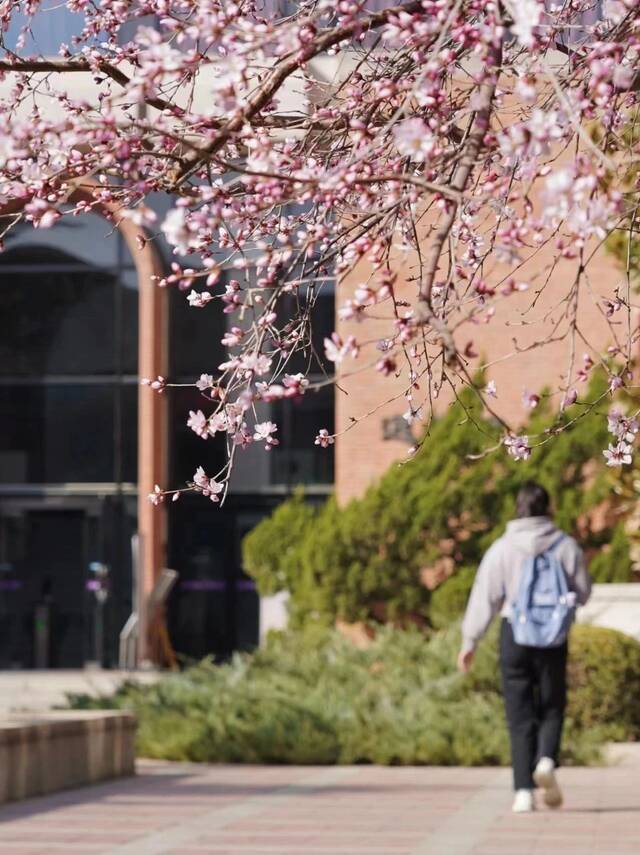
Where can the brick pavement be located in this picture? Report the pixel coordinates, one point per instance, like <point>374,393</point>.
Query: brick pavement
<point>184,809</point>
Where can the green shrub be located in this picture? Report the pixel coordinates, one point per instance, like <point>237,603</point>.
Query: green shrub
<point>366,560</point>
<point>604,675</point>
<point>449,599</point>
<point>311,697</point>
<point>270,550</point>
<point>613,562</point>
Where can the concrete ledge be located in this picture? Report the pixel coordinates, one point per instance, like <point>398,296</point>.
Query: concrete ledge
<point>41,754</point>
<point>614,606</point>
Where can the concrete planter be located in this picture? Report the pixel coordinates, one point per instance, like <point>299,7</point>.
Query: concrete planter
<point>41,754</point>
<point>274,613</point>
<point>614,606</point>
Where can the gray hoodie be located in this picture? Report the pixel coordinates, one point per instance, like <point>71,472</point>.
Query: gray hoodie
<point>496,583</point>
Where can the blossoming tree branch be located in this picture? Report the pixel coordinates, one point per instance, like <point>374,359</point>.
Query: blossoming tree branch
<point>451,139</point>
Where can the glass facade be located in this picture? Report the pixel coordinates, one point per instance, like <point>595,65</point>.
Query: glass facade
<point>68,441</point>
<point>68,456</point>
<point>214,607</point>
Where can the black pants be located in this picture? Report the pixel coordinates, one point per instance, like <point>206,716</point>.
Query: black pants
<point>534,687</point>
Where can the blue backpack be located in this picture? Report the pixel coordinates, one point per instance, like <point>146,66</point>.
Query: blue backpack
<point>543,610</point>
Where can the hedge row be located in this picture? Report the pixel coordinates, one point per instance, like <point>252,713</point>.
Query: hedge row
<point>314,698</point>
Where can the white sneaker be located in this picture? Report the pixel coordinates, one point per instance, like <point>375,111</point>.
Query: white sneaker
<point>523,802</point>
<point>545,777</point>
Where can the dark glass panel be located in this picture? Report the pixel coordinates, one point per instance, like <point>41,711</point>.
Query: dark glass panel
<point>298,460</point>
<point>56,318</point>
<point>49,602</point>
<point>188,451</point>
<point>127,321</point>
<point>195,337</point>
<point>201,613</point>
<point>312,359</point>
<point>129,433</point>
<point>56,434</point>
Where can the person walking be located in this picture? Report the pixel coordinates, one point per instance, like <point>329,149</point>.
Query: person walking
<point>534,576</point>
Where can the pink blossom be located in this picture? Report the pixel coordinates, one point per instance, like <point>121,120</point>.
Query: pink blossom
<point>518,447</point>
<point>179,231</point>
<point>527,15</point>
<point>207,486</point>
<point>199,299</point>
<point>615,382</point>
<point>386,366</point>
<point>295,384</point>
<point>491,389</point>
<point>242,436</point>
<point>157,497</point>
<point>263,431</point>
<point>324,438</point>
<point>530,400</point>
<point>413,415</point>
<point>461,143</point>
<point>198,423</point>
<point>270,392</point>
<point>232,337</point>
<point>205,382</point>
<point>158,385</point>
<point>619,455</point>
<point>624,429</point>
<point>255,363</point>
<point>336,350</point>
<point>414,139</point>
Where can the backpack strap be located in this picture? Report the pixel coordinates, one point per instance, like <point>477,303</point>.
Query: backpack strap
<point>553,545</point>
<point>556,542</point>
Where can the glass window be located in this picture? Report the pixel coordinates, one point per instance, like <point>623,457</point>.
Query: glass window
<point>126,443</point>
<point>195,337</point>
<point>312,358</point>
<point>127,320</point>
<point>68,358</point>
<point>56,315</point>
<point>201,548</point>
<point>56,433</point>
<point>298,460</point>
<point>188,451</point>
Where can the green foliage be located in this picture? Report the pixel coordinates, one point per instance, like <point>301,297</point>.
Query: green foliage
<point>366,561</point>
<point>604,674</point>
<point>613,563</point>
<point>311,697</point>
<point>270,550</point>
<point>449,600</point>
<point>626,250</point>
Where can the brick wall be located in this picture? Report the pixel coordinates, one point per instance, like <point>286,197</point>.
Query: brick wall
<point>362,454</point>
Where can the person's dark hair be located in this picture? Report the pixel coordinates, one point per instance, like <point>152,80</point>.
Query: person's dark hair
<point>532,501</point>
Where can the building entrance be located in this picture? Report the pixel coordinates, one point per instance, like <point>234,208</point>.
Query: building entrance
<point>63,581</point>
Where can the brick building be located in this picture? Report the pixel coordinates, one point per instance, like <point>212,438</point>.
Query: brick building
<point>365,451</point>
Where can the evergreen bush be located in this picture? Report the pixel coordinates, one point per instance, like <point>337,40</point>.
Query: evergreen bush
<point>604,675</point>
<point>449,600</point>
<point>270,550</point>
<point>311,697</point>
<point>367,560</point>
<point>613,562</point>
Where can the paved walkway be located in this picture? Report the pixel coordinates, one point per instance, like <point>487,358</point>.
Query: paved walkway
<point>182,809</point>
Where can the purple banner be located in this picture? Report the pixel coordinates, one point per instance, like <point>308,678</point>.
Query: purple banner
<point>216,585</point>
